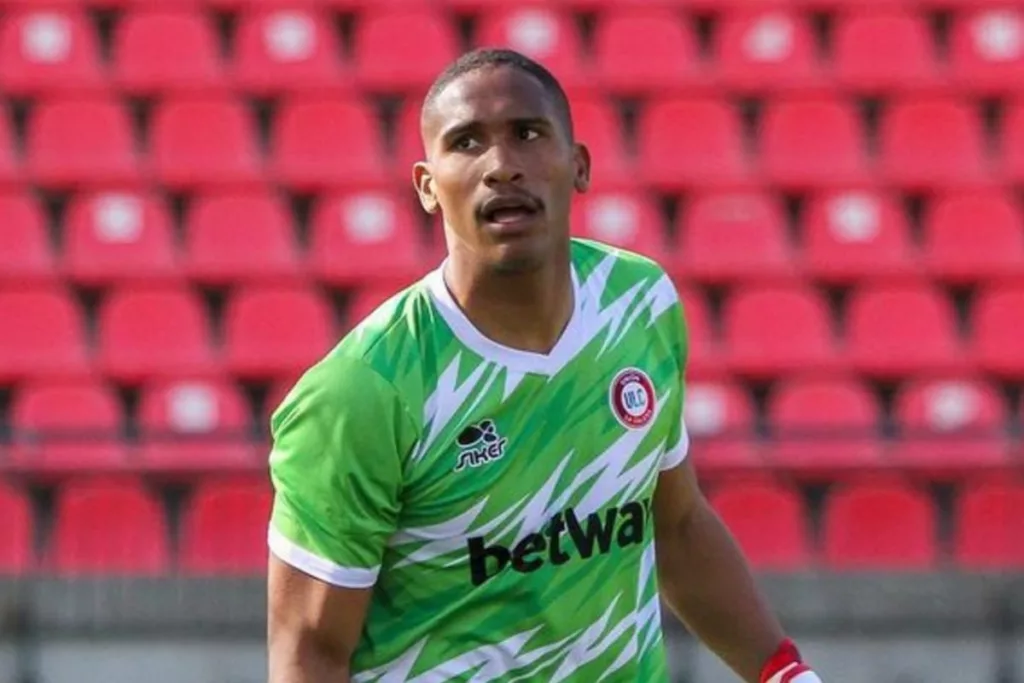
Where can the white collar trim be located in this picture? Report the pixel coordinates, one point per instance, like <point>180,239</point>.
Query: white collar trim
<point>490,350</point>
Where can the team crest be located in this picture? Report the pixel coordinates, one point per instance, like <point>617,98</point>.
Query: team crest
<point>632,398</point>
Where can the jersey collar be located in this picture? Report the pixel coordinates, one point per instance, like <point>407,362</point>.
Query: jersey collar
<point>490,350</point>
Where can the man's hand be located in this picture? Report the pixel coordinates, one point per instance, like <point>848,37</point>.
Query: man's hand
<point>313,627</point>
<point>786,666</point>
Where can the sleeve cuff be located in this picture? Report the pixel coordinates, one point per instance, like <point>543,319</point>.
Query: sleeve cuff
<point>676,455</point>
<point>318,567</point>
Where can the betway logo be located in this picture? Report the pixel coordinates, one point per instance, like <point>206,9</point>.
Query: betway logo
<point>596,533</point>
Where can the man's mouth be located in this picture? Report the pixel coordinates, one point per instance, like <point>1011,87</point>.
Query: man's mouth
<point>508,210</point>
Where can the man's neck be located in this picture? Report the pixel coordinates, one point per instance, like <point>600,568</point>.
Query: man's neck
<point>526,311</point>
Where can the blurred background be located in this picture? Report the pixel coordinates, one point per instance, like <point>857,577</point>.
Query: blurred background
<point>198,197</point>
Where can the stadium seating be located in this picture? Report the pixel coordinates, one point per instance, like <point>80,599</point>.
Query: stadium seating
<point>241,236</point>
<point>74,142</point>
<point>72,425</point>
<point>197,197</point>
<point>118,238</point>
<point>25,254</point>
<point>224,529</point>
<point>769,523</point>
<point>883,525</point>
<point>108,527</point>
<point>194,425</point>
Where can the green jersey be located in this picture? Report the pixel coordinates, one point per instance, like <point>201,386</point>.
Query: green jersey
<point>498,501</point>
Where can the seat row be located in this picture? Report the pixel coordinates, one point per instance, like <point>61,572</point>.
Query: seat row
<point>269,331</point>
<point>328,141</point>
<point>634,50</point>
<point>362,237</point>
<point>813,427</point>
<point>104,527</point>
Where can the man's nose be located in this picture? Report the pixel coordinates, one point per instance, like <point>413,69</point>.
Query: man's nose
<point>503,166</point>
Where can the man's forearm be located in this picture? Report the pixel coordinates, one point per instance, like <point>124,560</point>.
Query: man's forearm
<point>307,663</point>
<point>706,582</point>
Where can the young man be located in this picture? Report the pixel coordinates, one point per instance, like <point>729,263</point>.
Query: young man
<point>487,479</point>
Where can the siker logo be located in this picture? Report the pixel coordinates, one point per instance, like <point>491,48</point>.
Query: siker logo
<point>596,534</point>
<point>631,396</point>
<point>480,444</point>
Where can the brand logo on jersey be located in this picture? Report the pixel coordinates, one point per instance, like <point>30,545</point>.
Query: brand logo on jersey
<point>632,398</point>
<point>479,444</point>
<point>596,534</point>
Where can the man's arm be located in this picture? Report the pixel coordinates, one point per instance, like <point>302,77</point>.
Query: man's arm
<point>705,580</point>
<point>312,627</point>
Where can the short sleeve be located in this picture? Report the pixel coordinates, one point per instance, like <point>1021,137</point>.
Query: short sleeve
<point>679,439</point>
<point>339,441</point>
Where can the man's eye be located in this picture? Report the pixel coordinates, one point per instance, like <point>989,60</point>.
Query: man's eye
<point>527,133</point>
<point>464,143</point>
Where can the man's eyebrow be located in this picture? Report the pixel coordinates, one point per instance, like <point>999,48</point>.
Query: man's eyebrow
<point>462,127</point>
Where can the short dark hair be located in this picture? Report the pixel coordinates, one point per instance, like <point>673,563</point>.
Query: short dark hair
<point>484,58</point>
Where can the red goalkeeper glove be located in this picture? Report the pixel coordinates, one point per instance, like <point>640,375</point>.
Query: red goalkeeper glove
<point>786,666</point>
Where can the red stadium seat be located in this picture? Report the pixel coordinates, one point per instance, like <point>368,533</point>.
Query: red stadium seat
<point>642,52</point>
<point>766,51</point>
<point>108,528</point>
<point>768,522</point>
<point>286,50</point>
<point>881,526</point>
<point>987,50</point>
<point>901,330</point>
<point>49,338</point>
<point>931,143</point>
<point>824,427</point>
<point>704,354</point>
<point>684,143</point>
<point>199,142</point>
<point>224,530</point>
<point>884,52</point>
<point>986,532</point>
<point>548,36</point>
<point>812,143</point>
<point>971,237</point>
<point>323,143</point>
<point>950,427</point>
<point>408,144</point>
<point>17,552</point>
<point>720,420</point>
<point>241,236</point>
<point>402,50</point>
<point>624,219</point>
<point>25,255</point>
<point>167,50</point>
<point>730,236</point>
<point>1012,143</point>
<point>778,330</point>
<point>9,171</point>
<point>76,142</point>
<point>189,425</point>
<point>159,332</point>
<point>74,425</point>
<point>276,331</point>
<point>364,237</point>
<point>853,235</point>
<point>596,124</point>
<point>48,50</point>
<point>118,237</point>
<point>996,323</point>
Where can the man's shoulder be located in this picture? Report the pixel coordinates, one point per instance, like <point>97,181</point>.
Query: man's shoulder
<point>627,266</point>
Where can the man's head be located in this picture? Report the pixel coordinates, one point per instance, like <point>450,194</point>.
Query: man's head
<point>502,163</point>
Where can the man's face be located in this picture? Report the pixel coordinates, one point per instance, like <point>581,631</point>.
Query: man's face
<point>501,167</point>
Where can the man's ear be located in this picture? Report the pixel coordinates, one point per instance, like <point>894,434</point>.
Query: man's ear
<point>582,160</point>
<point>424,183</point>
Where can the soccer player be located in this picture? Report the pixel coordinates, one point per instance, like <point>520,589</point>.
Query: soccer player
<point>487,480</point>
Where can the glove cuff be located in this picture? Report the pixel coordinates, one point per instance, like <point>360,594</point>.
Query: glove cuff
<point>787,666</point>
